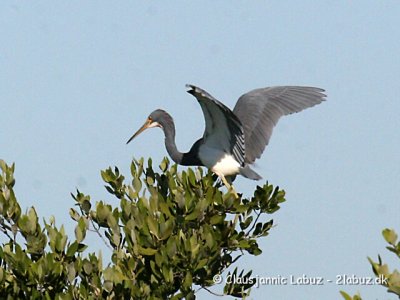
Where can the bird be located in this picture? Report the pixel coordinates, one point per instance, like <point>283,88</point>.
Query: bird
<point>234,139</point>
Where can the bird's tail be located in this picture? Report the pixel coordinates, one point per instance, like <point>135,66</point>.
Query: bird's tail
<point>247,172</point>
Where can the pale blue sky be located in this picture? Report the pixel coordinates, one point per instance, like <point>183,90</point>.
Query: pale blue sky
<point>77,78</point>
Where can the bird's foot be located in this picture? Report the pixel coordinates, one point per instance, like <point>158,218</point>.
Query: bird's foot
<point>232,189</point>
<point>228,186</point>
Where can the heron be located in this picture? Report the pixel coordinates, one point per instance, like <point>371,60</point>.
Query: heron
<point>234,139</point>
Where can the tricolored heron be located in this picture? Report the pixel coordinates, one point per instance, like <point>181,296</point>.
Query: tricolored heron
<point>233,140</point>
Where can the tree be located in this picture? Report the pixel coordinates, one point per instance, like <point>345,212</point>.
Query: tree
<point>170,235</point>
<point>390,280</point>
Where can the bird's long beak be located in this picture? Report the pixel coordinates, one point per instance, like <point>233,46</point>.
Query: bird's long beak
<point>146,125</point>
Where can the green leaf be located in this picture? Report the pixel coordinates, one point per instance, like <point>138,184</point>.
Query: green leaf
<point>164,164</point>
<point>137,184</point>
<point>348,297</point>
<point>71,272</point>
<point>150,180</point>
<point>72,249</point>
<point>80,230</point>
<point>390,236</point>
<point>258,229</point>
<point>166,229</point>
<point>217,219</point>
<point>187,283</point>
<point>246,223</point>
<point>153,225</point>
<point>193,216</point>
<point>33,219</point>
<point>147,251</point>
<point>85,205</point>
<point>87,267</point>
<point>74,214</point>
<point>201,263</point>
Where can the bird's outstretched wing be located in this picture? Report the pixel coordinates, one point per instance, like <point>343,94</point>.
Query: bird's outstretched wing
<point>223,129</point>
<point>259,110</point>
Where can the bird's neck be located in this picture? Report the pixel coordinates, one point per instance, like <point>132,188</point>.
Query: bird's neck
<point>186,159</point>
<point>169,132</point>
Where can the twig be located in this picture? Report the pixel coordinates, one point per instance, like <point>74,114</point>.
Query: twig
<point>210,291</point>
<point>6,233</point>
<point>5,228</point>
<point>254,224</point>
<point>97,230</point>
<point>100,235</point>
<point>236,258</point>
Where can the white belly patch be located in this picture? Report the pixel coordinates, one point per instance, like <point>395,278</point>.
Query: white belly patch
<point>218,161</point>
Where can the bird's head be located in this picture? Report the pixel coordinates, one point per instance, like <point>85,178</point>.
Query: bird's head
<point>157,118</point>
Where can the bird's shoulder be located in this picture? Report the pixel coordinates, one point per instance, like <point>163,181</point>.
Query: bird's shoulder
<point>191,158</point>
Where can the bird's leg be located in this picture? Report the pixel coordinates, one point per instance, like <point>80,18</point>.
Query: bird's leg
<point>228,186</point>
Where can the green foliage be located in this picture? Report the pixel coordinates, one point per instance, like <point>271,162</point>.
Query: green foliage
<point>382,270</point>
<point>348,297</point>
<point>391,280</point>
<point>170,235</point>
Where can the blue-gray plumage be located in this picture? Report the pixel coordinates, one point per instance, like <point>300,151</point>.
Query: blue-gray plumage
<point>233,140</point>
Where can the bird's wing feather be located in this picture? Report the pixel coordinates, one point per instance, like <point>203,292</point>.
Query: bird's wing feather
<point>259,111</point>
<point>223,129</point>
